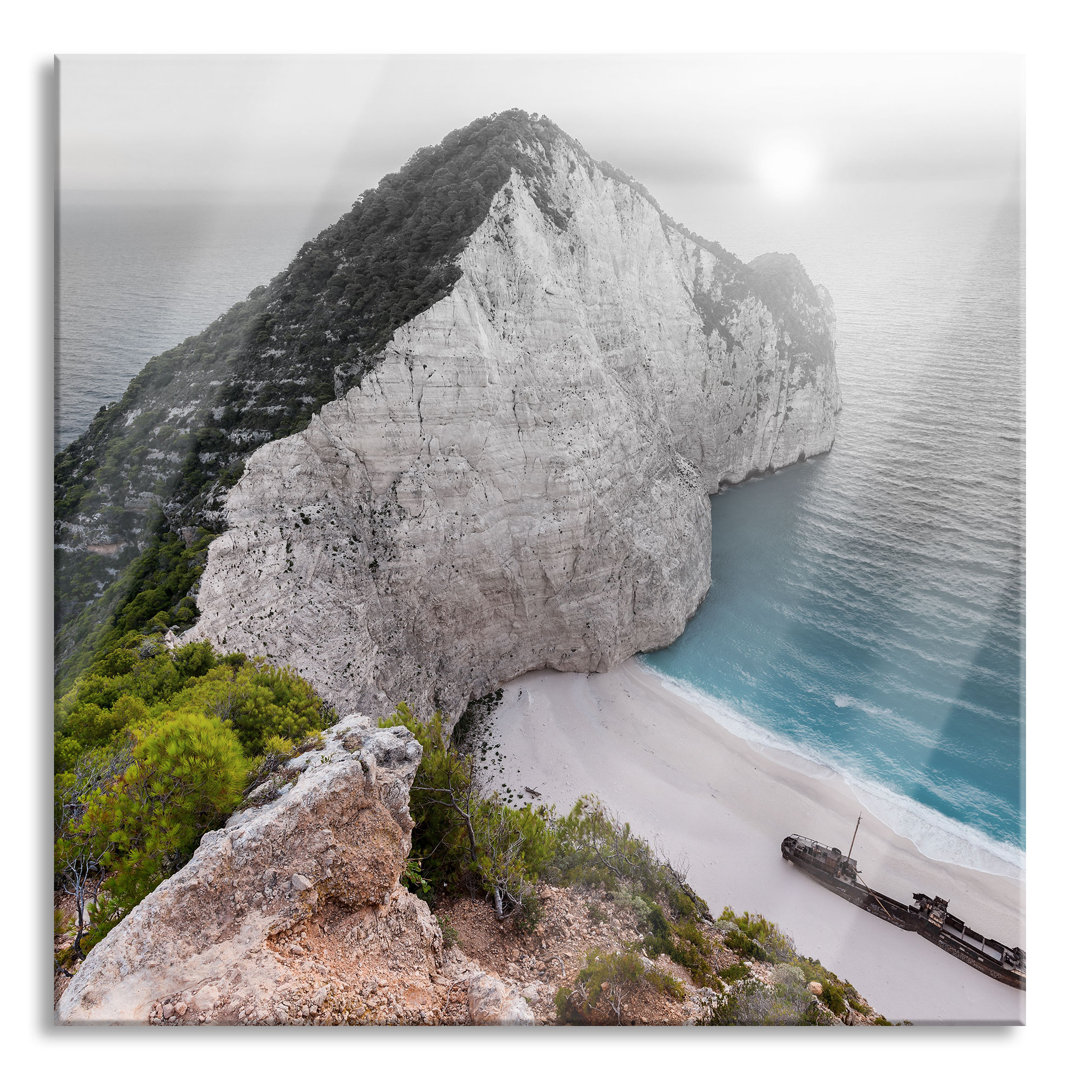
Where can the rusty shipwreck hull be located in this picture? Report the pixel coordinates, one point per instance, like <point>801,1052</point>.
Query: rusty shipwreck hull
<point>928,917</point>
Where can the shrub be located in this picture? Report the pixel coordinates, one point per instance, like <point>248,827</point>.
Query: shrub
<point>683,942</point>
<point>130,685</point>
<point>787,1002</point>
<point>468,839</point>
<point>186,773</point>
<point>666,983</point>
<point>746,1003</point>
<point>734,972</point>
<point>258,701</point>
<point>439,837</point>
<point>833,998</point>
<point>744,945</point>
<point>625,898</point>
<point>414,880</point>
<point>755,937</point>
<point>530,913</point>
<point>600,992</point>
<point>658,931</point>
<point>751,1003</point>
<point>837,994</point>
<point>692,950</point>
<point>77,865</point>
<point>594,848</point>
<point>449,935</point>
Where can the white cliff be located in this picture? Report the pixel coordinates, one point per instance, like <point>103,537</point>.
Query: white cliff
<point>522,482</point>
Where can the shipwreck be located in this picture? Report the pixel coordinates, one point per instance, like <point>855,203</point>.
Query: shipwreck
<point>928,917</point>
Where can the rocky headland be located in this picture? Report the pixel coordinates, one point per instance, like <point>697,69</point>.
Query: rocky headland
<point>521,480</point>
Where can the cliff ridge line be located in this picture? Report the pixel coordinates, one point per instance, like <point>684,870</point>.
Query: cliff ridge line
<point>521,482</point>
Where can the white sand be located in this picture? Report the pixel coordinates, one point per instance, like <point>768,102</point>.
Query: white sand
<point>719,808</point>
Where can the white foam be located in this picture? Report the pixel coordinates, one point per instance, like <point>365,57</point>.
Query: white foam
<point>937,836</point>
<point>933,834</point>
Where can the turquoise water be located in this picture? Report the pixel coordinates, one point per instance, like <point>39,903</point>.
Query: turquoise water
<point>867,607</point>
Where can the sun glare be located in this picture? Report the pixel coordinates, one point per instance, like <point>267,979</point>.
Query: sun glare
<point>788,169</point>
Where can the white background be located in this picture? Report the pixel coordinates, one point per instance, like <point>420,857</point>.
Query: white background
<point>315,26</point>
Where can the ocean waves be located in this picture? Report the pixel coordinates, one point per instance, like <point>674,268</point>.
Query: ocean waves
<point>936,835</point>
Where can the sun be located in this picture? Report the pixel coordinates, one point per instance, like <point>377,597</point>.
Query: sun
<point>788,168</point>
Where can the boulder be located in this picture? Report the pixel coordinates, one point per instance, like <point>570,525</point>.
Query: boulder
<point>492,1002</point>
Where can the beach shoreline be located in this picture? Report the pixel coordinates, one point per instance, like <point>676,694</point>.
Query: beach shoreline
<point>937,837</point>
<point>717,806</point>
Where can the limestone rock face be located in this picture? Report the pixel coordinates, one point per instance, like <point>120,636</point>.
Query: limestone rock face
<point>291,913</point>
<point>522,481</point>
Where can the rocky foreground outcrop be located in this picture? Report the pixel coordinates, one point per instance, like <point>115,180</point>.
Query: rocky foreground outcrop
<point>293,914</point>
<point>521,481</point>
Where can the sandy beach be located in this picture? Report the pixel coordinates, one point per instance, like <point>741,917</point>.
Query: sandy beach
<point>718,807</point>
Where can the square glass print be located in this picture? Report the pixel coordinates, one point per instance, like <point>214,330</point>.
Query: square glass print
<point>539,540</point>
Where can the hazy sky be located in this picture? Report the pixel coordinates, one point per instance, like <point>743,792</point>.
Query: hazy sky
<point>327,127</point>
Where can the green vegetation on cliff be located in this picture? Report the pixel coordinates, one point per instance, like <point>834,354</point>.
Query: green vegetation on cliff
<point>152,748</point>
<point>160,746</point>
<point>468,842</point>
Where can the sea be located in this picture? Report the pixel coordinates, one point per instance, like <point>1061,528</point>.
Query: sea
<point>136,276</point>
<point>866,614</point>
